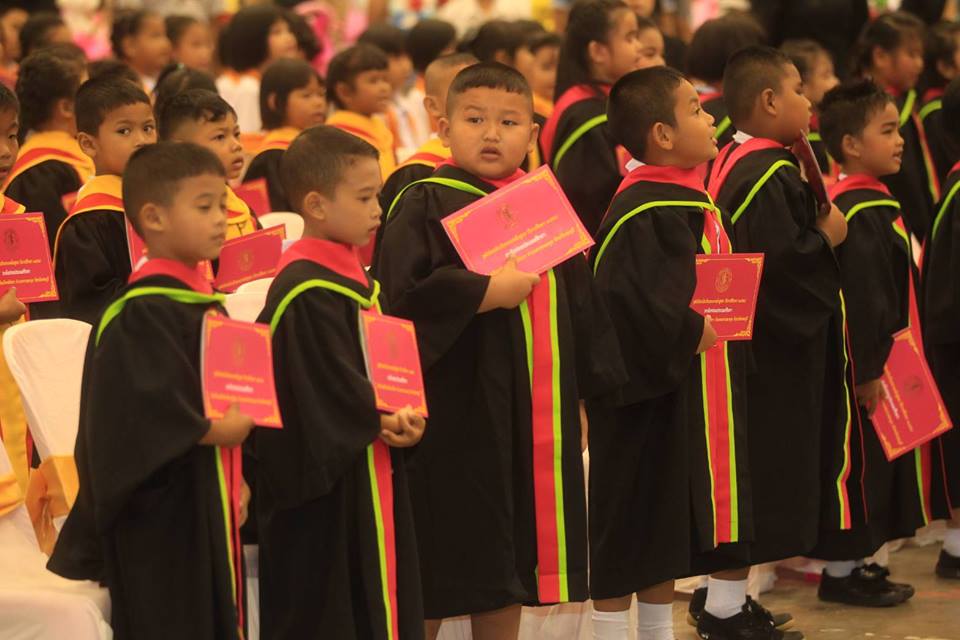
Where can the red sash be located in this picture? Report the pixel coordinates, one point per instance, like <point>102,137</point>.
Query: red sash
<point>730,156</point>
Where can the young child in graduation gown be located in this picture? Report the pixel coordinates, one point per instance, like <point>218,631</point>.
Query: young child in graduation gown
<point>669,488</point>
<point>51,167</point>
<point>292,98</point>
<point>941,304</point>
<point>817,72</point>
<point>799,432</point>
<point>159,500</point>
<point>860,126</point>
<point>91,255</point>
<point>498,476</point>
<point>202,117</point>
<point>941,64</point>
<point>891,54</point>
<point>139,40</point>
<point>602,45</point>
<point>337,548</point>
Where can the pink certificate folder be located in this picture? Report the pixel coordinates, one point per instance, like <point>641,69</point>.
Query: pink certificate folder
<point>25,258</point>
<point>237,368</point>
<point>530,220</point>
<point>727,289</point>
<point>393,362</point>
<point>913,412</point>
<point>249,258</point>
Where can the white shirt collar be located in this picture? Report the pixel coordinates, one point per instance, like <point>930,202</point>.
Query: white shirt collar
<point>740,137</point>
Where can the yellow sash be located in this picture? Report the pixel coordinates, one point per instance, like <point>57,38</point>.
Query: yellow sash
<point>51,494</point>
<point>373,130</point>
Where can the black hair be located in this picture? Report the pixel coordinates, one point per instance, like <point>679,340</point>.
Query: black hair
<point>193,105</point>
<point>489,75</point>
<point>804,54</point>
<point>538,41</point>
<point>589,21</point>
<point>317,160</point>
<point>888,32</point>
<point>176,79</point>
<point>243,42</point>
<point>427,39</point>
<point>45,77</point>
<point>8,100</point>
<point>127,24</point>
<point>99,96</point>
<point>177,26</point>
<point>638,101</point>
<point>351,62</point>
<point>939,45</point>
<point>36,30</point>
<point>387,37</point>
<point>306,37</point>
<point>749,73</point>
<point>951,112</point>
<point>279,80</point>
<point>718,39</point>
<point>494,37</point>
<point>845,111</point>
<point>155,171</point>
<point>109,68</point>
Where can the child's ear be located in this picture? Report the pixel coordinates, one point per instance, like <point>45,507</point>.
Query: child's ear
<point>430,105</point>
<point>768,102</point>
<point>315,206</point>
<point>88,144</point>
<point>946,69</point>
<point>879,57</point>
<point>597,53</point>
<point>443,130</point>
<point>851,146</point>
<point>64,109</point>
<point>152,218</point>
<point>344,91</point>
<point>662,136</point>
<point>272,102</point>
<point>534,134</point>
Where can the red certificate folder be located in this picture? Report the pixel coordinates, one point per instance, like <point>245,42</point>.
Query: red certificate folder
<point>727,288</point>
<point>530,220</point>
<point>913,412</point>
<point>25,258</point>
<point>393,362</point>
<point>237,367</point>
<point>811,170</point>
<point>249,258</point>
<point>255,194</point>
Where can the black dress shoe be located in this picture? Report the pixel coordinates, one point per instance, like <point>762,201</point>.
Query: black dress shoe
<point>746,625</point>
<point>880,572</point>
<point>698,602</point>
<point>948,566</point>
<point>860,589</point>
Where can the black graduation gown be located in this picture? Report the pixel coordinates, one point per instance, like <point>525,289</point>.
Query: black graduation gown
<point>652,514</point>
<point>148,521</point>
<point>92,263</point>
<point>471,477</point>
<point>824,161</point>
<point>589,170</point>
<point>41,188</point>
<point>940,307</point>
<point>319,558</point>
<point>266,165</point>
<point>874,267</point>
<point>796,415</point>
<point>406,174</point>
<point>942,149</point>
<point>911,186</point>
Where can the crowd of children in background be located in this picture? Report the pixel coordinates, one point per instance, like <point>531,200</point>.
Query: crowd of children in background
<point>707,457</point>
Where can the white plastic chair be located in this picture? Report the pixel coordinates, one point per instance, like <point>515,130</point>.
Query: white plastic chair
<point>245,305</point>
<point>291,221</point>
<point>36,604</point>
<point>261,285</point>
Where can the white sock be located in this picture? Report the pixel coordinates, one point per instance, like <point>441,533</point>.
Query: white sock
<point>654,621</point>
<point>611,625</point>
<point>951,542</point>
<point>840,568</point>
<point>725,598</point>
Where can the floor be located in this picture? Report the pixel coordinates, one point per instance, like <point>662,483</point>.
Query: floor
<point>932,614</point>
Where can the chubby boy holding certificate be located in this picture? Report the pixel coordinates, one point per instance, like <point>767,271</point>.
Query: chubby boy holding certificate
<point>497,483</point>
<point>669,488</point>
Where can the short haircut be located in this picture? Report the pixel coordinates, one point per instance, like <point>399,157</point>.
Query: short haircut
<point>280,79</point>
<point>45,77</point>
<point>888,32</point>
<point>445,64</point>
<point>489,75</point>
<point>750,72</point>
<point>939,45</point>
<point>638,101</point>
<point>193,105</point>
<point>804,54</point>
<point>113,69</point>
<point>718,39</point>
<point>243,41</point>
<point>36,31</point>
<point>176,79</point>
<point>154,172</point>
<point>427,39</point>
<point>98,97</point>
<point>951,112</point>
<point>317,160</point>
<point>543,39</point>
<point>388,38</point>
<point>127,24</point>
<point>846,110</point>
<point>496,36</point>
<point>8,100</point>
<point>177,26</point>
<point>350,63</point>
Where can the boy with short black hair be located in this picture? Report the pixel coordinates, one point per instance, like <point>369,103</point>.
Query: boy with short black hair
<point>485,548</point>
<point>203,117</point>
<point>91,255</point>
<point>860,125</point>
<point>358,85</point>
<point>154,519</point>
<point>337,548</point>
<point>940,308</point>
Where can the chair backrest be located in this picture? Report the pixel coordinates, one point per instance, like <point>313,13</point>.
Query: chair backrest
<point>291,221</point>
<point>246,305</point>
<point>261,285</point>
<point>46,359</point>
<point>16,530</point>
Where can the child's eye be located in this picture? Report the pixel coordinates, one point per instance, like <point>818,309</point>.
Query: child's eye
<point>474,119</point>
<point>220,136</point>
<point>148,128</point>
<point>510,123</point>
<point>124,131</point>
